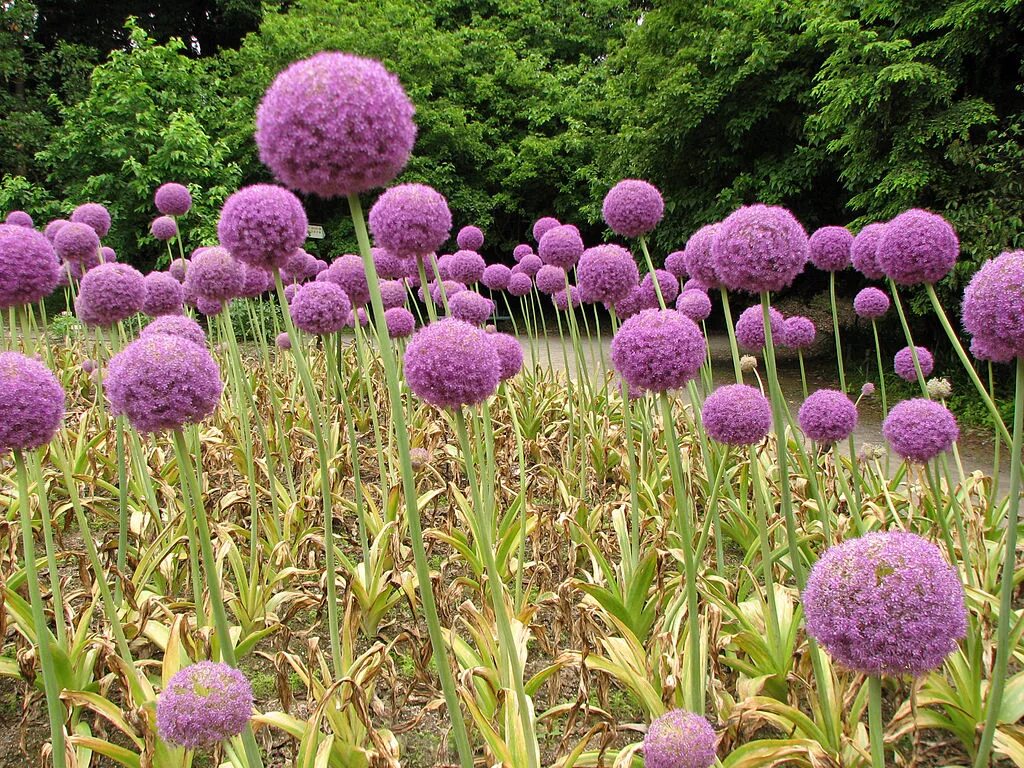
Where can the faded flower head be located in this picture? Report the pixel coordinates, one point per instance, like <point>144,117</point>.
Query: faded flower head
<point>939,388</point>
<point>204,704</point>
<point>31,403</point>
<point>748,363</point>
<point>868,389</point>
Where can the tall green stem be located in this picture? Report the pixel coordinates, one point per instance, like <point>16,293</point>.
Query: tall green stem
<point>876,727</point>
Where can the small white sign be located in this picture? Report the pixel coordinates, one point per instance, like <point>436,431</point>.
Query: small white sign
<point>315,232</point>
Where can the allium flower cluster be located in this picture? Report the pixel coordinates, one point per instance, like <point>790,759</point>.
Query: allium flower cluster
<point>31,403</point>
<point>53,228</point>
<point>829,248</point>
<point>871,303</point>
<point>510,354</point>
<point>19,219</point>
<point>864,251</point>
<point>176,325</point>
<point>675,263</point>
<point>939,388</point>
<point>544,225</point>
<point>299,267</point>
<point>471,307</point>
<point>392,293</point>
<point>29,270</point>
<point>173,199</point>
<point>164,228</point>
<point>551,279</point>
<point>496,277</point>
<point>919,430</point>
<point>827,416</point>
<point>667,282</point>
<point>466,267</point>
<point>529,265</point>
<point>262,225</point>
<point>400,322</point>
<point>560,246</point>
<point>93,215</point>
<point>162,295</point>
<point>347,273</point>
<point>77,242</point>
<point>214,275</point>
<point>903,363</point>
<point>177,269</point>
<point>411,220</point>
<point>389,266</point>
<point>698,257</point>
<point>451,363</point>
<point>561,298</point>
<point>632,303</point>
<point>737,414</point>
<point>203,705</point>
<point>798,332</point>
<point>993,308</point>
<point>606,273</point>
<point>109,294</point>
<point>633,207</point>
<point>470,238</point>
<point>521,250</point>
<point>255,282</point>
<point>519,284</point>
<point>917,247</point>
<point>759,248</point>
<point>320,308</point>
<point>696,305</point>
<point>750,327</point>
<point>283,340</point>
<point>658,350</point>
<point>680,739</point>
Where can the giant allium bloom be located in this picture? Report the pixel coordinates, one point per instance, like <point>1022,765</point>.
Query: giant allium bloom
<point>632,208</point>
<point>173,199</point>
<point>400,322</point>
<point>93,215</point>
<point>667,282</point>
<point>917,247</point>
<point>919,430</point>
<point>466,267</point>
<point>31,403</point>
<point>392,293</point>
<point>830,248</point>
<point>871,303</point>
<point>29,270</point>
<point>262,225</point>
<point>827,416</point>
<point>470,238</point>
<point>77,242</point>
<point>606,273</point>
<point>560,246</point>
<point>471,307</point>
<point>544,225</point>
<point>451,287</point>
<point>110,293</point>
<point>176,325</point>
<point>759,248</point>
<point>214,274</point>
<point>107,254</point>
<point>496,277</point>
<point>521,250</point>
<point>631,303</point>
<point>164,228</point>
<point>798,332</point>
<point>204,704</point>
<point>335,124</point>
<point>177,269</point>
<point>993,307</point>
<point>698,257</point>
<point>885,604</point>
<point>984,349</point>
<point>510,354</point>
<point>864,251</point>
<point>411,220</point>
<point>161,382</point>
<point>550,279</point>
<point>19,219</point>
<point>658,350</point>
<point>389,265</point>
<point>519,284</point>
<point>530,264</point>
<point>903,363</point>
<point>320,308</point>
<point>696,305</point>
<point>450,363</point>
<point>55,226</point>
<point>300,266</point>
<point>680,739</point>
<point>561,298</point>
<point>750,327</point>
<point>737,414</point>
<point>675,263</point>
<point>162,295</point>
<point>348,273</point>
<point>255,282</point>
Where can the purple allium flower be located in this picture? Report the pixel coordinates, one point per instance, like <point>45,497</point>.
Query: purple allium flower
<point>550,279</point>
<point>562,302</point>
<point>560,246</point>
<point>444,262</point>
<point>544,225</point>
<point>919,429</point>
<point>289,292</point>
<point>519,284</point>
<point>335,124</point>
<point>871,303</point>
<point>451,287</point>
<point>868,389</point>
<point>400,322</point>
<point>162,295</point>
<point>510,354</point>
<point>173,199</point>
<point>885,604</point>
<point>633,208</point>
<point>164,228</point>
<point>214,274</point>
<point>496,277</point>
<point>255,282</point>
<point>107,254</point>
<point>993,308</point>
<point>530,264</point>
<point>606,273</point>
<point>94,215</point>
<point>903,363</point>
<point>675,263</point>
<point>471,307</point>
<point>830,248</point>
<point>798,332</point>
<point>470,238</point>
<point>450,363</point>
<point>759,248</point>
<point>917,247</point>
<point>389,265</point>
<point>204,704</point>
<point>347,272</point>
<point>300,266</point>
<point>358,315</point>
<point>737,414</point>
<point>864,251</point>
<point>750,327</point>
<point>163,382</point>
<point>283,340</point>
<point>693,284</point>
<point>320,308</point>
<point>521,250</point>
<point>53,228</point>
<point>658,350</point>
<point>694,304</point>
<point>985,349</point>
<point>19,219</point>
<point>176,325</point>
<point>29,270</point>
<point>668,283</point>
<point>827,416</point>
<point>262,225</point>
<point>698,257</point>
<point>77,242</point>
<point>209,307</point>
<point>631,303</point>
<point>466,267</point>
<point>679,739</point>
<point>177,270</point>
<point>411,220</point>
<point>88,366</point>
<point>110,293</point>
<point>31,403</point>
<point>392,293</point>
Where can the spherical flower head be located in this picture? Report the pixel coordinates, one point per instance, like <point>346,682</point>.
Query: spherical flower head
<point>798,332</point>
<point>358,316</point>
<point>737,414</point>
<point>283,340</point>
<point>550,279</point>
<point>827,416</point>
<point>255,282</point>
<point>868,389</point>
<point>392,293</point>
<point>530,264</point>
<point>19,219</point>
<point>109,293</point>
<point>209,307</point>
<point>335,124</point>
<point>885,604</point>
<point>419,458</point>
<point>830,248</point>
<point>177,270</point>
<point>864,251</point>
<point>633,208</point>
<point>496,277</point>
<point>561,298</point>
<point>389,265</point>
<point>299,267</point>
<point>320,308</point>
<point>471,307</point>
<point>162,295</point>
<point>94,215</point>
<point>519,284</point>
<point>466,267</point>
<point>521,250</point>
<point>606,273</point>
<point>658,350</point>
<point>675,263</point>
<point>560,246</point>
<point>668,283</point>
<point>31,403</point>
<point>632,303</point>
<point>993,307</point>
<point>939,388</point>
<point>470,238</point>
<point>871,303</point>
<point>544,225</point>
<point>204,704</point>
<point>162,382</point>
<point>917,247</point>
<point>400,322</point>
<point>986,350</point>
<point>903,363</point>
<point>107,254</point>
<point>750,327</point>
<point>759,248</point>
<point>918,430</point>
<point>173,199</point>
<point>698,257</point>
<point>347,273</point>
<point>177,325</point>
<point>679,739</point>
<point>262,225</point>
<point>451,363</point>
<point>696,305</point>
<point>410,220</point>
<point>29,270</point>
<point>510,354</point>
<point>53,228</point>
<point>451,287</point>
<point>215,275</point>
<point>163,228</point>
<point>77,242</point>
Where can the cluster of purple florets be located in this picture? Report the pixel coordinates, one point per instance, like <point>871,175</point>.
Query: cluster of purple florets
<point>750,331</point>
<point>993,308</point>
<point>871,303</point>
<point>31,403</point>
<point>919,429</point>
<point>162,295</point>
<point>110,293</point>
<point>827,416</point>
<point>903,363</point>
<point>451,363</point>
<point>633,208</point>
<point>204,704</point>
<point>759,248</point>
<point>29,270</point>
<point>320,308</point>
<point>680,739</point>
<point>737,414</point>
<point>411,220</point>
<point>262,225</point>
<point>658,349</point>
